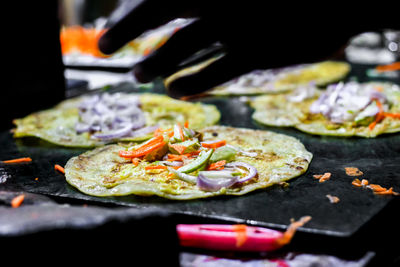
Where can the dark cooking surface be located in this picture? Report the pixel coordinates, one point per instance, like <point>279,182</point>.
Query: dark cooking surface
<point>273,207</point>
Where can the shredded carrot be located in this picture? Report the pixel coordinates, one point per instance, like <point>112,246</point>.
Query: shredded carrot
<point>146,148</point>
<point>155,167</point>
<point>376,188</point>
<point>392,115</point>
<point>135,161</point>
<point>389,67</point>
<point>160,131</point>
<point>180,132</point>
<point>174,157</point>
<point>241,234</point>
<point>322,177</point>
<point>353,171</point>
<point>379,117</point>
<point>384,192</point>
<point>333,199</point>
<point>179,148</point>
<point>214,144</point>
<point>59,168</point>
<point>291,230</point>
<point>379,190</point>
<point>186,125</point>
<point>219,165</point>
<point>18,160</point>
<point>364,182</point>
<point>17,201</point>
<point>356,182</point>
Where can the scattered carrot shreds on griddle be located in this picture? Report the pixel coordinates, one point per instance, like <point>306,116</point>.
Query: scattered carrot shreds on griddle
<point>323,177</point>
<point>333,199</point>
<point>353,171</point>
<point>358,183</point>
<point>18,160</point>
<point>17,201</point>
<point>291,230</point>
<point>377,189</point>
<point>387,192</point>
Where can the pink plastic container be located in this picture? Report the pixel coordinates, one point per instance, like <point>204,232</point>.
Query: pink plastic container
<point>228,237</point>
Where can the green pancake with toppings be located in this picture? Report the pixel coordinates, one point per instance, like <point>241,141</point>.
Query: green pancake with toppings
<point>344,109</point>
<point>99,119</point>
<point>272,81</point>
<point>182,164</point>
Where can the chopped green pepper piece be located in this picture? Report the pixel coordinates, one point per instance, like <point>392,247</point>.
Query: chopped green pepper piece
<point>201,160</point>
<point>223,153</point>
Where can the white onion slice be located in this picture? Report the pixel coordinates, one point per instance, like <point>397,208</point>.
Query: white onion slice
<point>111,116</point>
<point>345,102</point>
<point>114,134</point>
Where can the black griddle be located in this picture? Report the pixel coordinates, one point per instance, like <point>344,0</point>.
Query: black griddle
<point>273,207</point>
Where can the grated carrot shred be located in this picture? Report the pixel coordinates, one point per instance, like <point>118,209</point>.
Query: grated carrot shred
<point>135,161</point>
<point>356,182</point>
<point>59,168</point>
<point>219,165</point>
<point>17,201</point>
<point>155,167</point>
<point>389,67</point>
<point>291,230</point>
<point>18,160</point>
<point>323,177</point>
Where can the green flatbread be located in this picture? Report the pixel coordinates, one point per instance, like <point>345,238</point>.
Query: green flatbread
<point>276,110</point>
<point>273,81</point>
<point>57,125</point>
<point>102,172</point>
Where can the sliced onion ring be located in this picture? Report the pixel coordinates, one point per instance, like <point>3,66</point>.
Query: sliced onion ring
<point>251,169</point>
<point>172,163</point>
<point>143,131</point>
<point>214,184</point>
<point>114,134</point>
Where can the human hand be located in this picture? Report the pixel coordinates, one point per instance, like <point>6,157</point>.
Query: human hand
<point>252,37</point>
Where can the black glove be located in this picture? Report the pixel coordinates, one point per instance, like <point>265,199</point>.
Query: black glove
<point>253,35</point>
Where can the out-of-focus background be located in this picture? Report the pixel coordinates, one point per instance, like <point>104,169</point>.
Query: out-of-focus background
<point>82,23</point>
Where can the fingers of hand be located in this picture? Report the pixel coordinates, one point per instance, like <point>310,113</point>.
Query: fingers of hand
<point>145,15</point>
<point>212,74</point>
<point>181,45</point>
